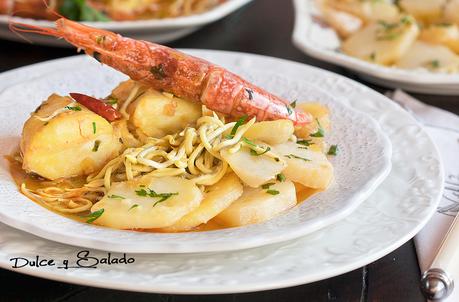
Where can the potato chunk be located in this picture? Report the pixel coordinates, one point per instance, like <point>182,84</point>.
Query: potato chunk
<point>342,22</point>
<point>72,143</point>
<point>381,42</point>
<point>157,114</point>
<point>444,34</point>
<point>433,57</point>
<point>129,205</point>
<point>307,167</point>
<point>217,198</point>
<point>425,11</point>
<point>252,170</point>
<point>451,11</point>
<point>257,205</point>
<point>367,10</point>
<point>271,132</point>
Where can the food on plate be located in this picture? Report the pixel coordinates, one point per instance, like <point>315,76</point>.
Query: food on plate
<point>183,145</point>
<point>406,34</point>
<point>106,10</point>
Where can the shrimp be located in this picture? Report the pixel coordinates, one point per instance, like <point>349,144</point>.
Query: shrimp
<point>167,69</point>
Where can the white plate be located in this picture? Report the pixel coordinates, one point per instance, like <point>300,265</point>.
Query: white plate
<point>321,42</point>
<point>159,31</point>
<point>393,214</point>
<point>362,164</point>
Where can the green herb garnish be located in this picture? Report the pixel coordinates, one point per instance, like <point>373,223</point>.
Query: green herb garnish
<point>100,39</point>
<point>255,153</point>
<point>289,110</point>
<point>267,185</point>
<point>133,206</point>
<point>96,146</point>
<point>320,131</point>
<point>373,56</point>
<point>304,142</point>
<point>75,108</point>
<point>153,194</point>
<point>116,196</point>
<point>93,216</point>
<point>280,177</point>
<point>79,10</point>
<point>333,150</point>
<point>434,64</point>
<point>272,192</point>
<point>293,104</point>
<point>158,72</point>
<point>249,142</point>
<point>94,129</point>
<point>297,157</point>
<point>112,101</point>
<point>236,126</point>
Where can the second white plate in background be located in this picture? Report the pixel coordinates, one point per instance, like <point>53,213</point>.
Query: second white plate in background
<point>321,42</point>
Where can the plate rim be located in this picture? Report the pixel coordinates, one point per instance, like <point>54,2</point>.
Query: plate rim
<point>392,74</point>
<point>275,236</point>
<point>369,257</point>
<point>209,16</point>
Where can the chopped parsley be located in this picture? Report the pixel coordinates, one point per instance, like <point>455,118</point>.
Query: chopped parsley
<point>112,101</point>
<point>96,146</point>
<point>113,196</point>
<point>249,142</point>
<point>255,153</point>
<point>272,192</point>
<point>333,150</point>
<point>158,72</point>
<point>94,127</point>
<point>320,131</point>
<point>280,177</point>
<point>75,108</point>
<point>297,157</point>
<point>373,56</point>
<point>151,193</point>
<point>434,64</point>
<point>236,126</point>
<point>304,142</point>
<point>133,207</point>
<point>93,216</point>
<point>293,104</point>
<point>267,185</point>
<point>289,109</point>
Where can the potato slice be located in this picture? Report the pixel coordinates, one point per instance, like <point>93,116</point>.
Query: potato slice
<point>257,205</point>
<point>271,132</point>
<point>342,22</point>
<point>217,198</point>
<point>451,12</point>
<point>444,34</point>
<point>72,143</point>
<point>436,58</point>
<point>125,208</point>
<point>367,10</point>
<point>424,11</point>
<point>305,166</point>
<point>157,114</point>
<point>381,42</point>
<point>253,170</point>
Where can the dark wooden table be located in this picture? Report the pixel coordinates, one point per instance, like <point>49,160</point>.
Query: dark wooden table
<point>262,27</point>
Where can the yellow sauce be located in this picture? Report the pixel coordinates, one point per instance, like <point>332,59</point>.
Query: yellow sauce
<point>36,182</point>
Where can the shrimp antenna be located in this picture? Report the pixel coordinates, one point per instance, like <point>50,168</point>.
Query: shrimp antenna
<point>52,10</point>
<point>18,28</point>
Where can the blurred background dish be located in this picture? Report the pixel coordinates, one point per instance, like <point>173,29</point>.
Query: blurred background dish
<point>322,40</point>
<point>160,21</point>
